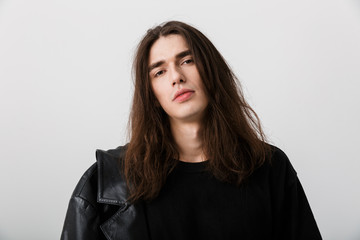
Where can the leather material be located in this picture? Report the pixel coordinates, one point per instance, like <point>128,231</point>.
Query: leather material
<point>98,208</point>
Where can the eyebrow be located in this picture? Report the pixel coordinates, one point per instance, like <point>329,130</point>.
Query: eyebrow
<point>178,56</point>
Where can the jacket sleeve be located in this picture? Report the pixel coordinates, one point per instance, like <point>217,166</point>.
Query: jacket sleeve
<point>81,221</point>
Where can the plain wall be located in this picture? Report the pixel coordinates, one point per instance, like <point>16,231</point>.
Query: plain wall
<point>65,90</point>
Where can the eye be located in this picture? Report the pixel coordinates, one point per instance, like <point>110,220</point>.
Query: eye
<point>188,61</point>
<point>159,73</point>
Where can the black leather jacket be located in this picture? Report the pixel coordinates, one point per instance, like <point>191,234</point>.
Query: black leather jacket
<point>99,200</point>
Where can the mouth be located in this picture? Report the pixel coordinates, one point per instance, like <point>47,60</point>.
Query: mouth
<point>183,95</point>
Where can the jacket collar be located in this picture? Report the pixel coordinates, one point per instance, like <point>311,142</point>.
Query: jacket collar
<point>129,221</point>
<point>112,188</point>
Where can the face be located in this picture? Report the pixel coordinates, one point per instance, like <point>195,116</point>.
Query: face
<point>175,79</point>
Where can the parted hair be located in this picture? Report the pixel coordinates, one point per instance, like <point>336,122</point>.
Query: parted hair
<point>233,140</point>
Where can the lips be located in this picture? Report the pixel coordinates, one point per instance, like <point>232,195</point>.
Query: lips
<point>183,95</point>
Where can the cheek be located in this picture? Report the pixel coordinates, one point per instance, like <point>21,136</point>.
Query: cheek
<point>159,92</point>
<point>154,88</point>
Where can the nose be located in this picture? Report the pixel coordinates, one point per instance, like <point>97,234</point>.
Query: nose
<point>176,76</point>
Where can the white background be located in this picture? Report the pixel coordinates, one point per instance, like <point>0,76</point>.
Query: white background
<point>65,90</point>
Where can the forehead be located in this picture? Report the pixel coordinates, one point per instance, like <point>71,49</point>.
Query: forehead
<point>167,47</point>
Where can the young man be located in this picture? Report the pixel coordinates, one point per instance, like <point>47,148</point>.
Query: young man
<point>197,165</point>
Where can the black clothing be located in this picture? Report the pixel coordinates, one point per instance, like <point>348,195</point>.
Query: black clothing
<point>191,205</point>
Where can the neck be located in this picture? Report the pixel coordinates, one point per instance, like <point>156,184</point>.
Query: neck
<point>188,139</point>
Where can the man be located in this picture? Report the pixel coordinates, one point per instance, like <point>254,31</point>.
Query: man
<point>197,165</point>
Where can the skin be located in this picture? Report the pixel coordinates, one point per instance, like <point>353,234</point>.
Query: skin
<point>171,69</point>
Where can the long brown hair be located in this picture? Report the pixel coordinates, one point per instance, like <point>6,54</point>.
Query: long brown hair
<point>232,136</point>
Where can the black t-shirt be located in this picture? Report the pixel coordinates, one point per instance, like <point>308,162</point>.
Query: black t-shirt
<point>195,205</point>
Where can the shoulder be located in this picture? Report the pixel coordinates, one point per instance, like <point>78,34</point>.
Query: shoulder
<point>279,160</point>
<point>278,169</point>
<point>281,167</point>
<point>102,182</point>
